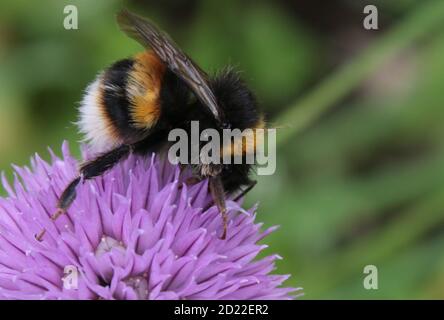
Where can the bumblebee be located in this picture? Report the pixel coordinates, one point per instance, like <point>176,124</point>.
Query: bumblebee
<point>132,106</point>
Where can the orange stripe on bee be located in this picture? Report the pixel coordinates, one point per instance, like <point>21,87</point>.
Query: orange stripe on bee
<point>144,84</point>
<point>246,143</point>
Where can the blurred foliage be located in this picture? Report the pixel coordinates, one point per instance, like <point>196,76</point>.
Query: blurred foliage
<point>363,183</point>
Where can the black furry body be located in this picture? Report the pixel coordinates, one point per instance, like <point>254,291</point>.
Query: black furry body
<point>178,108</point>
<point>137,102</point>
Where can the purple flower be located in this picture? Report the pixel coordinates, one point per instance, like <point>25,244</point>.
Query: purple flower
<point>138,232</point>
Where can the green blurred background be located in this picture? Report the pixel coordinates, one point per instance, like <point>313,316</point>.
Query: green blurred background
<point>360,174</point>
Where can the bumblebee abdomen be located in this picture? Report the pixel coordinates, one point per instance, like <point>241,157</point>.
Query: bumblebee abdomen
<point>143,87</point>
<point>123,104</point>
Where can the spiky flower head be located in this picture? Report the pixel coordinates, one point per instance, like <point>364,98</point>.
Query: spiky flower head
<point>138,232</point>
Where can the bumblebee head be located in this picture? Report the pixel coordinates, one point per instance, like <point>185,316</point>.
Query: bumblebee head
<point>237,101</point>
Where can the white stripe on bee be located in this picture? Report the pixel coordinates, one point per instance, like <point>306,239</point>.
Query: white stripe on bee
<point>92,121</point>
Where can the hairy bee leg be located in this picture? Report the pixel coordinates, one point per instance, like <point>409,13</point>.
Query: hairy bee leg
<point>88,170</point>
<point>65,200</point>
<point>246,190</point>
<point>240,195</point>
<point>218,194</point>
<point>192,180</point>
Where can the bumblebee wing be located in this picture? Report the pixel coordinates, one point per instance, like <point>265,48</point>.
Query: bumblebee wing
<point>149,35</point>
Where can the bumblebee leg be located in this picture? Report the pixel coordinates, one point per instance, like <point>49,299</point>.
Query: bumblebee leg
<point>218,194</point>
<point>192,180</point>
<point>88,170</point>
<point>246,190</point>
